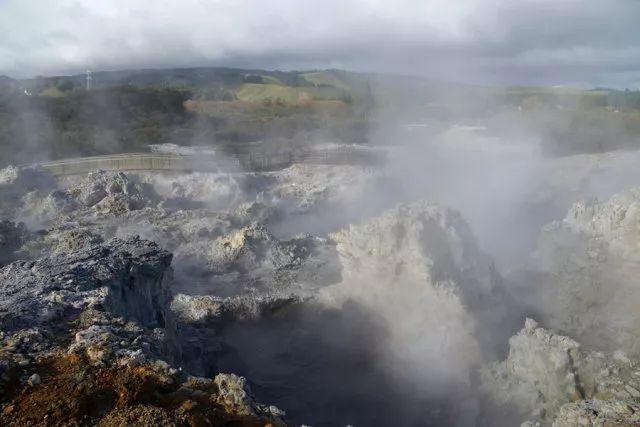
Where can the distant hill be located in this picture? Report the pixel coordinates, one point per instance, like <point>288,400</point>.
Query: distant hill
<point>126,110</point>
<point>257,86</point>
<point>221,84</point>
<point>395,94</point>
<point>6,80</point>
<point>8,85</point>
<point>253,92</point>
<point>228,78</point>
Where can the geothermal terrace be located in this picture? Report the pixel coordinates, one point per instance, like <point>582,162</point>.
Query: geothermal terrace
<point>322,294</point>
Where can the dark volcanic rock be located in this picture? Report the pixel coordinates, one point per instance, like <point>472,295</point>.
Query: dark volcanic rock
<point>127,276</point>
<point>83,331</point>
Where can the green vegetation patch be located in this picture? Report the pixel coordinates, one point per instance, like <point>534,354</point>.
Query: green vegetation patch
<point>253,92</point>
<point>52,92</point>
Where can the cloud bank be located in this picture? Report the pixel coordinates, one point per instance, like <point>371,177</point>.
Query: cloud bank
<point>593,42</point>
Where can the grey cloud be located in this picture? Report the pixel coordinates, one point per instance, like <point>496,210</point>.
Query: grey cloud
<point>471,40</point>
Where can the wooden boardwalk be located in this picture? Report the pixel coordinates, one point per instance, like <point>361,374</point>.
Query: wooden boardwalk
<point>251,161</point>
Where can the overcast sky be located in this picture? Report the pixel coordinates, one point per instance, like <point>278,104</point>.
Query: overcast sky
<point>588,42</point>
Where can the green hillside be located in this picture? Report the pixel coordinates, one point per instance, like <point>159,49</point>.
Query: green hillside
<point>127,110</point>
<point>253,92</point>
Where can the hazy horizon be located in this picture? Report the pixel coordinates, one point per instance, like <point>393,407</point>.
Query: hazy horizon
<point>488,42</point>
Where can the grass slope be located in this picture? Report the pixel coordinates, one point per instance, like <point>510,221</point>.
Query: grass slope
<point>254,92</point>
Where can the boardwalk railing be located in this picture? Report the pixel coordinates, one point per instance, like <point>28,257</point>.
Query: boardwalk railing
<point>250,161</point>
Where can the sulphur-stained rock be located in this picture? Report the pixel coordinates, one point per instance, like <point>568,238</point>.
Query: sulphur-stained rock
<point>67,390</point>
<point>17,242</point>
<point>81,336</point>
<point>96,342</point>
<point>596,413</point>
<point>111,193</point>
<point>71,239</point>
<point>233,392</point>
<point>249,248</point>
<point>250,260</point>
<point>101,194</point>
<point>205,309</point>
<point>140,415</point>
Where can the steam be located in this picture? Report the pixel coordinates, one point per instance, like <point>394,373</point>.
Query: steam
<point>422,242</point>
<point>496,184</point>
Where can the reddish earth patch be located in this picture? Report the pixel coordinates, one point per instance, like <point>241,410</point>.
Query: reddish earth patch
<point>74,393</point>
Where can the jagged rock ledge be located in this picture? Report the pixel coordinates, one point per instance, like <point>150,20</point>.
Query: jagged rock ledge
<point>551,379</point>
<point>82,335</point>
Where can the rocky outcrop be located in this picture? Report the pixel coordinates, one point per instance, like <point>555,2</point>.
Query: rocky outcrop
<point>216,191</point>
<point>308,186</point>
<point>249,249</point>
<point>82,334</point>
<point>214,310</point>
<point>72,392</point>
<point>419,268</point>
<point>235,395</point>
<point>584,276</point>
<point>70,239</point>
<point>107,193</point>
<point>178,227</point>
<point>595,413</point>
<point>245,275</point>
<point>174,228</point>
<point>251,259</point>
<point>128,276</point>
<point>99,195</point>
<point>544,373</point>
<point>101,299</point>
